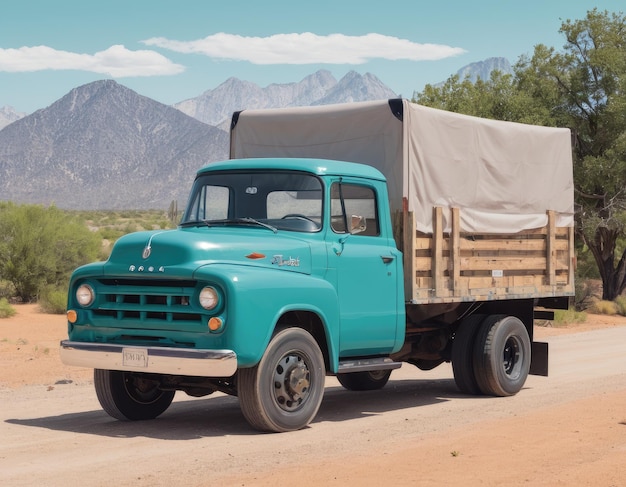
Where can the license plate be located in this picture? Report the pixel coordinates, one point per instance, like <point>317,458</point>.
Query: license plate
<point>135,357</point>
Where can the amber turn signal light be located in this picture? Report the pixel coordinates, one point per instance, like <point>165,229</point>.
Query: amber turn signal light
<point>215,324</point>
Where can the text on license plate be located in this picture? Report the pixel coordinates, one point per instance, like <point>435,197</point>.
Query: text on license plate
<point>135,357</point>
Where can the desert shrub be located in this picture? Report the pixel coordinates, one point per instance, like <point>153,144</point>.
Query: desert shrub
<point>583,294</point>
<point>132,214</point>
<point>132,227</point>
<point>110,233</point>
<point>40,247</point>
<point>620,303</point>
<point>53,301</point>
<point>586,266</point>
<point>6,289</point>
<point>565,316</point>
<point>604,308</point>
<point>6,310</point>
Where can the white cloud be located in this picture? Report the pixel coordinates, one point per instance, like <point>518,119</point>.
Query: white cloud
<point>308,48</point>
<point>116,61</point>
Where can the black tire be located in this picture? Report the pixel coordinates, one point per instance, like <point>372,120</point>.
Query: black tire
<point>126,396</point>
<point>283,392</point>
<point>501,355</point>
<point>463,354</point>
<point>369,380</point>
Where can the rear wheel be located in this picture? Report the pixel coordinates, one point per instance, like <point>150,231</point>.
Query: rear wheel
<point>369,380</point>
<point>283,392</point>
<point>463,354</point>
<point>128,396</point>
<point>501,355</point>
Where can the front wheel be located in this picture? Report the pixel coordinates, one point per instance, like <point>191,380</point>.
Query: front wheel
<point>283,392</point>
<point>501,355</point>
<point>128,396</point>
<point>369,380</point>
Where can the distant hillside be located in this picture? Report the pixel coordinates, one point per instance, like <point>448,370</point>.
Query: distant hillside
<point>9,115</point>
<point>103,146</point>
<point>216,106</point>
<point>483,69</point>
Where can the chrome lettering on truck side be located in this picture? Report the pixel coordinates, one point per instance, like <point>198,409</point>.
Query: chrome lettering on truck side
<point>290,262</point>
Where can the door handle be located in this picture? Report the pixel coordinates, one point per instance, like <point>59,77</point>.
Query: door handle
<point>387,259</point>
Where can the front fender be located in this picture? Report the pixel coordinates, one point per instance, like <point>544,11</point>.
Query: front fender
<point>257,297</point>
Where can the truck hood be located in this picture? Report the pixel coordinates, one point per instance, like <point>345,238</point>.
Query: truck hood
<point>180,252</point>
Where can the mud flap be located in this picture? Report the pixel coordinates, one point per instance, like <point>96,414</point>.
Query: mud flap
<point>539,359</point>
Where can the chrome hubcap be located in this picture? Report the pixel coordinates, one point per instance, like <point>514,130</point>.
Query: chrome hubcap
<point>292,380</point>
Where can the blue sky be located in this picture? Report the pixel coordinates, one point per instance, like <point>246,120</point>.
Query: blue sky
<point>174,50</point>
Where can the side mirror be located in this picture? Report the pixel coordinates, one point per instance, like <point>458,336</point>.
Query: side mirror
<point>358,224</point>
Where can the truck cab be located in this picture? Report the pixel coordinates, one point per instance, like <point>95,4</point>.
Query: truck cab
<point>281,271</point>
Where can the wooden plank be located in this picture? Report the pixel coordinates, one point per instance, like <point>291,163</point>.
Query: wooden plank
<point>502,263</point>
<point>437,264</point>
<point>571,257</point>
<point>408,232</point>
<point>485,282</point>
<point>423,243</point>
<point>455,254</point>
<point>423,264</point>
<point>506,263</point>
<point>561,232</point>
<point>550,251</point>
<point>512,245</point>
<point>516,245</point>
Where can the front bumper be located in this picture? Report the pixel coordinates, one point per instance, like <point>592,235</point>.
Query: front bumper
<point>152,360</point>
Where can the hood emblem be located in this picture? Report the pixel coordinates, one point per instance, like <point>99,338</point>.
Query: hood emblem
<point>147,250</point>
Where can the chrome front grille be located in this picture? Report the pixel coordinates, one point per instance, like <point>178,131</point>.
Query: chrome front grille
<point>149,303</point>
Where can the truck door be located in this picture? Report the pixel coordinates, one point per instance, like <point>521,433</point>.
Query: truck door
<point>366,264</point>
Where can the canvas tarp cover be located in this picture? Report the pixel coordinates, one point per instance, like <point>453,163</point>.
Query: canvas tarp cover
<point>503,176</point>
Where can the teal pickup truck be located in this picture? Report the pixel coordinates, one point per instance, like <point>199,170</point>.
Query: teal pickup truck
<point>284,270</point>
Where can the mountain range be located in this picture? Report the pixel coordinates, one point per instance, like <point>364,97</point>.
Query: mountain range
<point>216,107</point>
<point>104,146</point>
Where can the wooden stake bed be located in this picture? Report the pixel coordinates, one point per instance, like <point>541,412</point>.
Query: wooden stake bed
<point>458,266</point>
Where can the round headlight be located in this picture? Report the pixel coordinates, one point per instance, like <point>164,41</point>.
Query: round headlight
<point>208,298</point>
<point>85,295</point>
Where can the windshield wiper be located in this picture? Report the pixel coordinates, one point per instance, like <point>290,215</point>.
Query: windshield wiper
<point>233,221</point>
<point>195,223</point>
<point>255,222</point>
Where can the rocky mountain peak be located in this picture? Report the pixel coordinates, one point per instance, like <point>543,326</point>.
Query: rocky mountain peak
<point>216,106</point>
<point>104,146</point>
<point>483,69</point>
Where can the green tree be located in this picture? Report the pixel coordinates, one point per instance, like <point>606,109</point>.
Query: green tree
<point>498,98</point>
<point>39,247</point>
<point>582,87</point>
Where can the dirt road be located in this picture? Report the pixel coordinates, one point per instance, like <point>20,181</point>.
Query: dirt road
<point>567,429</point>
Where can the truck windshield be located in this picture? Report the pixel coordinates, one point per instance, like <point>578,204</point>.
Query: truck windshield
<point>278,199</point>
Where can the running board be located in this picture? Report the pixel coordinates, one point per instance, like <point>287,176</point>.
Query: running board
<point>365,364</point>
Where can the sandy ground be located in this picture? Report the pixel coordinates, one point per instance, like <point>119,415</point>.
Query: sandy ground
<point>566,445</point>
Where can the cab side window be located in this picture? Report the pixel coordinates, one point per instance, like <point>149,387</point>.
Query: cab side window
<point>353,209</point>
